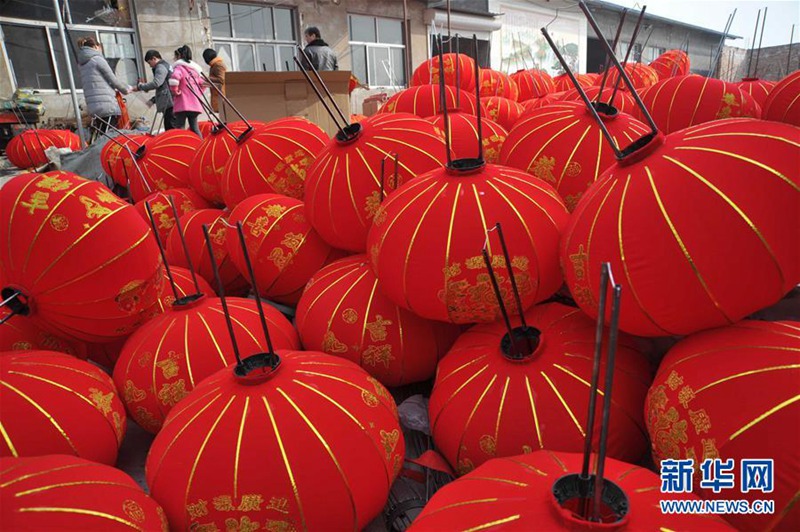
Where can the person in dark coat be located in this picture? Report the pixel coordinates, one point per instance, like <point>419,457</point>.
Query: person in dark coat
<point>99,84</point>
<point>160,83</point>
<point>216,73</point>
<point>319,53</point>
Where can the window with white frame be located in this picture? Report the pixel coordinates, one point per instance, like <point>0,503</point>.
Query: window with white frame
<point>32,44</point>
<point>253,37</point>
<point>377,48</point>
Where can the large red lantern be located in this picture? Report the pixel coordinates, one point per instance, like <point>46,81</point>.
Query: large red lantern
<point>498,84</point>
<point>69,493</point>
<point>186,200</point>
<point>459,71</point>
<point>783,102</point>
<point>425,243</point>
<point>563,145</point>
<point>503,111</point>
<point>53,403</point>
<point>487,402</point>
<point>206,127</point>
<point>118,162</point>
<point>313,444</point>
<point>343,312</point>
<point>529,106</point>
<point>169,355</point>
<point>679,102</point>
<point>343,189</point>
<point>83,261</point>
<point>564,83</point>
<point>192,225</point>
<point>65,139</point>
<point>425,100</point>
<point>273,159</point>
<point>463,131</point>
<point>518,494</point>
<point>533,83</point>
<point>671,63</point>
<point>164,162</point>
<point>285,250</point>
<point>759,89</point>
<point>689,414</point>
<point>641,76</point>
<point>623,101</point>
<point>26,150</point>
<point>672,258</point>
<point>208,165</point>
<point>22,334</point>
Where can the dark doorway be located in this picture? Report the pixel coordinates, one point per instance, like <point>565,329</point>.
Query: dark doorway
<point>595,55</point>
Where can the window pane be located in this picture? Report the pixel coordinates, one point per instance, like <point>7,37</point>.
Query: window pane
<point>220,19</point>
<point>224,51</point>
<point>284,24</point>
<point>286,56</point>
<point>266,57</point>
<point>29,56</point>
<point>362,29</point>
<point>380,67</point>
<point>29,9</point>
<point>250,22</point>
<point>72,48</point>
<point>121,55</point>
<point>399,65</point>
<point>244,53</point>
<point>359,54</point>
<point>96,13</point>
<point>390,31</point>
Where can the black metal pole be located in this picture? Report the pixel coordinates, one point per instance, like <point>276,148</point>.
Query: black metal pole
<point>443,103</point>
<point>179,229</point>
<point>161,249</point>
<point>487,261</point>
<point>324,86</point>
<point>753,44</point>
<point>608,58</point>
<point>321,99</point>
<point>760,40</point>
<point>479,121</point>
<point>223,299</point>
<point>628,52</point>
<point>226,100</point>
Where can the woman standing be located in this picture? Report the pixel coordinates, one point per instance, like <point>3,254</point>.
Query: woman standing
<point>186,86</point>
<point>99,84</point>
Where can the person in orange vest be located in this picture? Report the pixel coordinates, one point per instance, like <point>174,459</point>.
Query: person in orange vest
<point>216,74</point>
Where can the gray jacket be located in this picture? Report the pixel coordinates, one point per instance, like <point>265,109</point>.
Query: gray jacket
<point>163,97</point>
<point>99,83</point>
<point>321,56</point>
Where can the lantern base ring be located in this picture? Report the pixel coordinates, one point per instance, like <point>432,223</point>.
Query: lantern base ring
<point>257,368</point>
<point>349,133</point>
<point>572,495</point>
<point>465,166</point>
<point>605,111</point>
<point>16,301</point>
<point>187,301</point>
<point>524,344</point>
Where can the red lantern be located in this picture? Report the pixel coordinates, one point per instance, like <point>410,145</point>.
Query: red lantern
<point>343,189</point>
<point>498,84</point>
<point>118,163</point>
<point>529,106</point>
<point>462,75</point>
<point>26,150</point>
<point>169,355</point>
<point>313,444</point>
<point>680,102</point>
<point>22,334</point>
<point>208,165</point>
<point>533,83</point>
<point>206,127</point>
<point>105,354</point>
<point>82,258</point>
<point>357,118</point>
<point>164,161</point>
<point>284,248</point>
<point>184,286</point>
<point>463,130</point>
<point>66,139</point>
<point>671,63</point>
<point>343,312</point>
<point>563,82</point>
<point>425,100</point>
<point>641,76</point>
<point>759,89</point>
<point>53,403</point>
<point>69,493</point>
<point>517,494</point>
<point>672,258</point>
<point>783,102</point>
<point>192,225</point>
<point>274,159</point>
<point>425,243</point>
<point>482,405</point>
<point>623,101</point>
<point>689,412</point>
<point>503,111</point>
<point>563,145</point>
<point>186,200</point>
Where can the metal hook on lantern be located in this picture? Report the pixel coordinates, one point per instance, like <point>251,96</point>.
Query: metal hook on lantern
<point>182,236</point>
<point>347,131</point>
<point>607,65</point>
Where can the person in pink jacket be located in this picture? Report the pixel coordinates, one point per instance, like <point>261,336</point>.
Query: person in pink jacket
<point>186,85</point>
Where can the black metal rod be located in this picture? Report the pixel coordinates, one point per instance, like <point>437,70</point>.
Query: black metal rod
<point>789,55</point>
<point>499,296</point>
<point>221,94</point>
<point>10,298</point>
<point>221,294</point>
<point>161,249</point>
<point>383,173</point>
<point>479,121</point>
<point>130,153</point>
<point>321,99</point>
<point>443,103</point>
<point>210,110</point>
<point>8,316</point>
<point>179,229</point>
<point>715,60</point>
<point>396,171</point>
<point>631,45</point>
<point>457,59</point>
<point>753,44</point>
<point>261,316</point>
<point>511,276</point>
<point>119,131</point>
<point>608,57</point>
<point>760,40</point>
<point>324,86</point>
<point>407,41</point>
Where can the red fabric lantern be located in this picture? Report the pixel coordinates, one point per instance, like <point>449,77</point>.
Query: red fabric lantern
<point>184,285</point>
<point>117,163</point>
<point>83,258</point>
<point>424,101</point>
<point>22,334</point>
<point>564,83</point>
<point>462,76</point>
<point>26,150</point>
<point>529,106</point>
<point>689,412</point>
<point>672,258</point>
<point>164,161</point>
<point>563,145</point>
<point>169,355</point>
<point>503,111</point>
<point>69,493</point>
<point>208,165</point>
<point>343,312</point>
<point>314,444</point>
<point>641,76</point>
<point>284,249</point>
<point>759,89</point>
<point>482,405</point>
<point>533,83</point>
<point>463,130</point>
<point>274,159</point>
<point>623,101</point>
<point>206,127</point>
<point>425,243</point>
<point>53,403</point>
<point>104,354</point>
<point>679,102</point>
<point>516,494</point>
<point>192,225</point>
<point>66,139</point>
<point>671,63</point>
<point>186,200</point>
<point>783,102</point>
<point>343,185</point>
<point>498,84</point>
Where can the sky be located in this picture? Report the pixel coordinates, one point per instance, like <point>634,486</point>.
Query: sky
<point>781,14</point>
